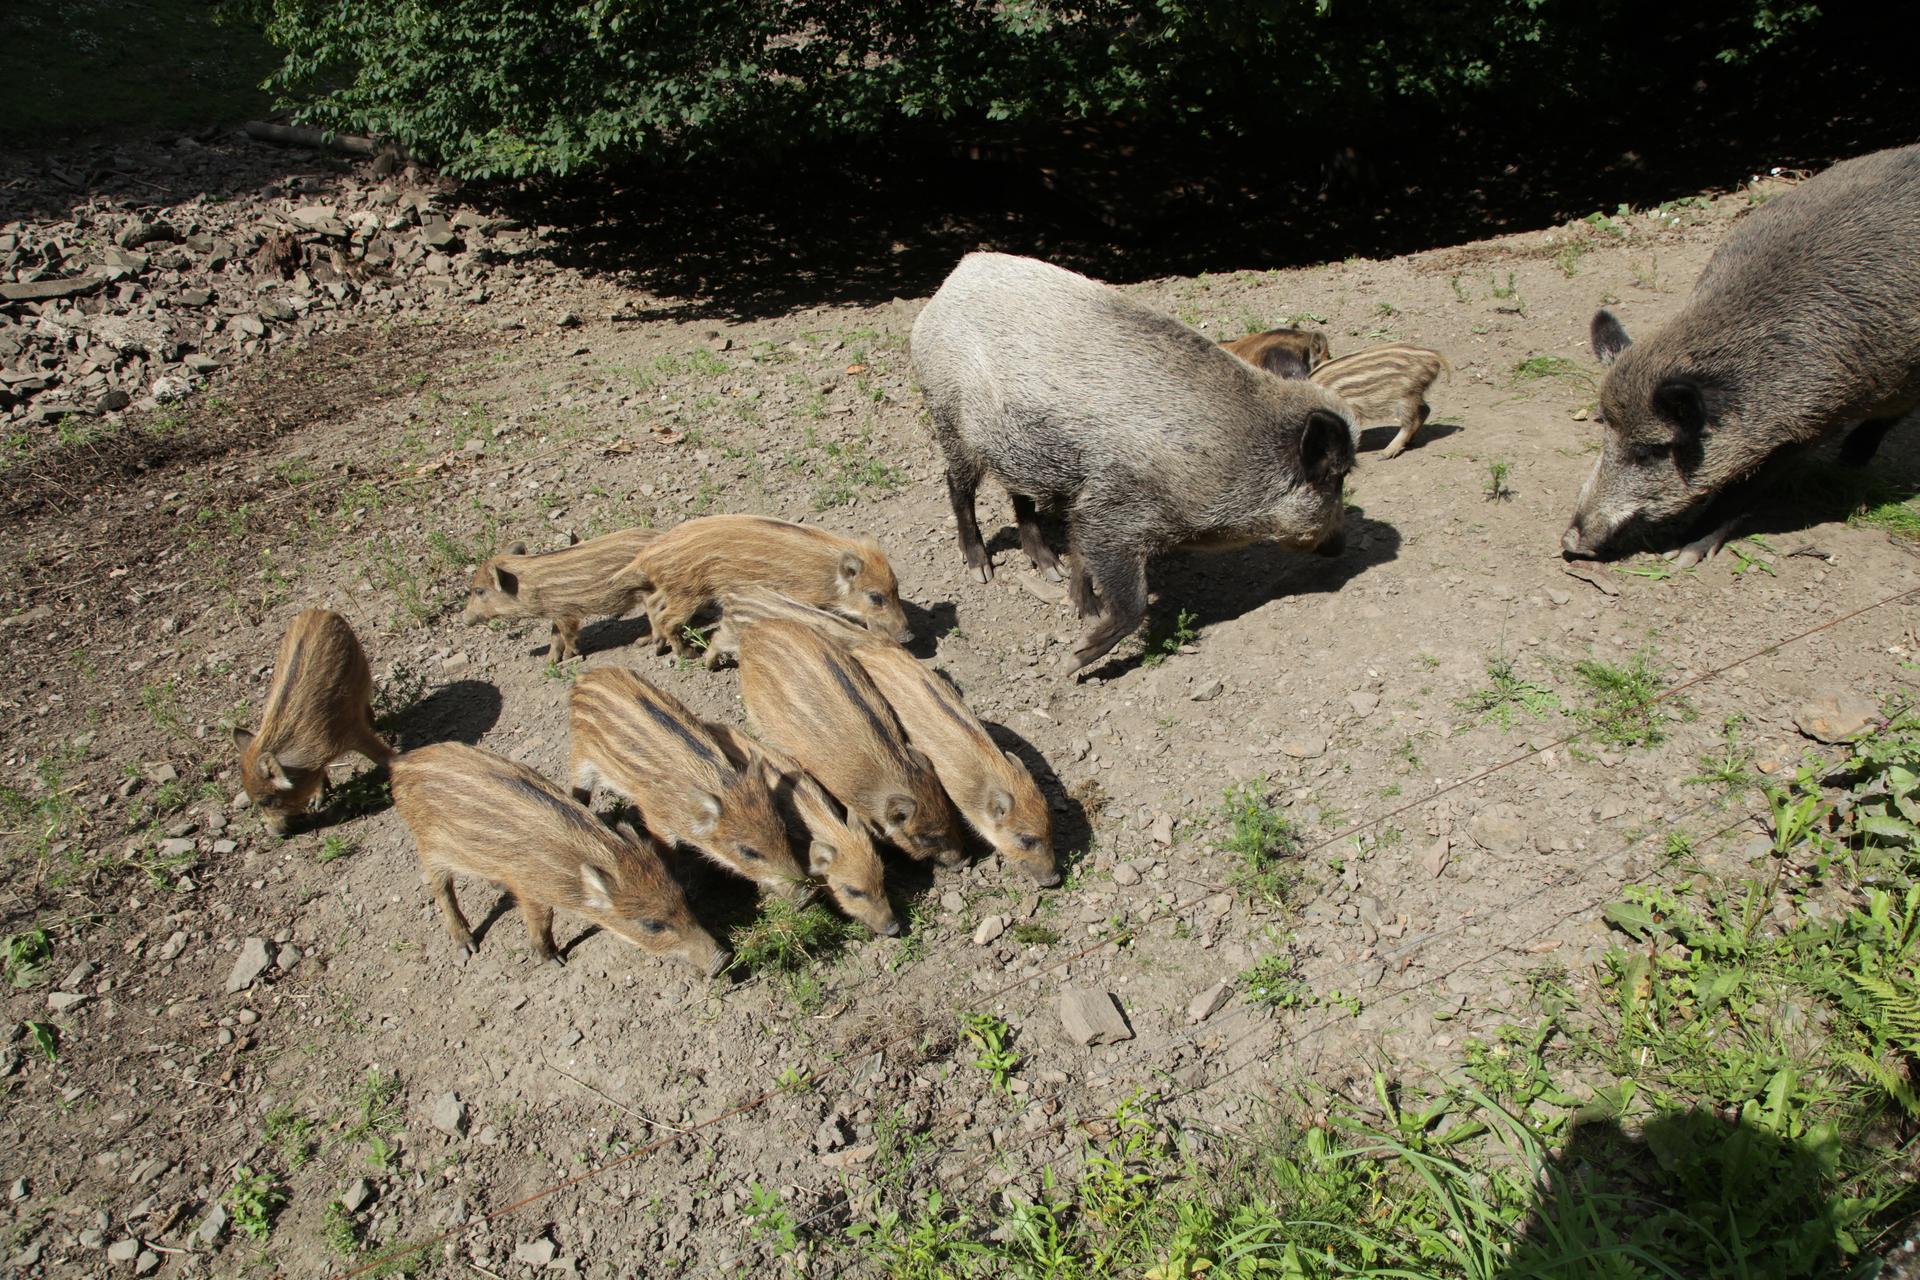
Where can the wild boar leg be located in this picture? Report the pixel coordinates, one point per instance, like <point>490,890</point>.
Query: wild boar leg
<point>539,918</point>
<point>566,639</point>
<point>1864,441</point>
<point>1121,574</point>
<point>1033,541</point>
<point>961,486</point>
<point>369,743</point>
<point>1412,418</point>
<point>1080,592</point>
<point>440,885</point>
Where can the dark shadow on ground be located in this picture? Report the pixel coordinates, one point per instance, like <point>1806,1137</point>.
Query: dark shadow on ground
<point>1220,587</point>
<point>888,219</point>
<point>1684,1190</point>
<point>462,711</point>
<point>930,623</point>
<point>1374,438</point>
<point>612,633</point>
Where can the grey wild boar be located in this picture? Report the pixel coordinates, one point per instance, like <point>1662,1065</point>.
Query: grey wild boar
<point>1150,435</point>
<point>1285,353</point>
<point>687,568</point>
<point>749,605</point>
<point>991,788</point>
<point>839,848</point>
<point>645,745</point>
<point>809,698</point>
<point>1385,382</point>
<point>477,814</point>
<point>569,587</point>
<point>1805,324</point>
<point>319,707</point>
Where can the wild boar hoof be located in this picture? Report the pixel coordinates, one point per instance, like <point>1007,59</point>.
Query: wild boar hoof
<point>1051,572</point>
<point>983,573</point>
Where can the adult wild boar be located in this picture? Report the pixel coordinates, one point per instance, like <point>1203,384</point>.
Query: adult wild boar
<point>1150,435</point>
<point>1805,324</point>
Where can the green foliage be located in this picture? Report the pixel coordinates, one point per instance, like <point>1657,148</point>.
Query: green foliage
<point>25,957</point>
<point>1498,490</point>
<point>521,87</point>
<point>1162,647</point>
<point>255,1199</point>
<point>1508,694</point>
<point>788,938</point>
<point>1272,983</point>
<point>988,1035</point>
<point>1262,842</point>
<point>1621,709</point>
<point>291,1133</point>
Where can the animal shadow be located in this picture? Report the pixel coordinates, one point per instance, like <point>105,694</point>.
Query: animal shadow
<point>931,624</point>
<point>1072,825</point>
<point>1219,587</point>
<point>610,633</point>
<point>1372,438</point>
<point>462,711</point>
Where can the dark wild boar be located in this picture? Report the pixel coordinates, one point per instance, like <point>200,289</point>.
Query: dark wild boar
<point>1150,435</point>
<point>1804,325</point>
<point>319,707</point>
<point>475,813</point>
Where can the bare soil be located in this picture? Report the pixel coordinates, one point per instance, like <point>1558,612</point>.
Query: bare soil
<point>145,590</point>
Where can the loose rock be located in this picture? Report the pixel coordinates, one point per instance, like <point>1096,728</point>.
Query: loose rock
<point>1498,828</point>
<point>1835,716</point>
<point>450,1115</point>
<point>248,965</point>
<point>1093,1018</point>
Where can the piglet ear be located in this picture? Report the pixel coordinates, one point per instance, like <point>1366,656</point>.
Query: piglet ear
<point>850,566</point>
<point>706,811</point>
<point>271,769</point>
<point>1326,448</point>
<point>597,893</point>
<point>999,804</point>
<point>899,811</point>
<point>573,537</point>
<point>1607,336</point>
<point>820,856</point>
<point>1680,402</point>
<point>1282,363</point>
<point>517,549</point>
<point>242,738</point>
<point>504,582</point>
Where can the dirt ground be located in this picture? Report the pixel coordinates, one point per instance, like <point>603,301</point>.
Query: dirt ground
<point>141,616</point>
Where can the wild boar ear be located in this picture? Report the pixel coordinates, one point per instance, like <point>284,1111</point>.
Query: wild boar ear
<point>1326,447</point>
<point>820,856</point>
<point>850,565</point>
<point>504,582</point>
<point>593,883</point>
<point>626,832</point>
<point>899,811</point>
<point>1679,401</point>
<point>517,549</point>
<point>242,738</point>
<point>706,811</point>
<point>1608,336</point>
<point>1013,759</point>
<point>999,804</point>
<point>271,769</point>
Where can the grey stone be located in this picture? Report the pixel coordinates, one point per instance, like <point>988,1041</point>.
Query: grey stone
<point>44,290</point>
<point>1498,828</point>
<point>178,847</point>
<point>29,1256</point>
<point>536,1253</point>
<point>1093,1018</point>
<point>121,263</point>
<point>1305,746</point>
<point>358,1195</point>
<point>175,944</point>
<point>1363,702</point>
<point>211,1227</point>
<point>276,309</point>
<point>78,975</point>
<point>123,1250</point>
<point>1435,858</point>
<point>438,233</point>
<point>450,1115</point>
<point>1126,875</point>
<point>61,1001</point>
<point>17,1190</point>
<point>147,1263</point>
<point>1209,1002</point>
<point>321,219</point>
<point>989,929</point>
<point>1208,691</point>
<point>1834,716</point>
<point>1161,832</point>
<point>248,965</point>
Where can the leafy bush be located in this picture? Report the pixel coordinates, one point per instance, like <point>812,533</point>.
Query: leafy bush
<point>530,87</point>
